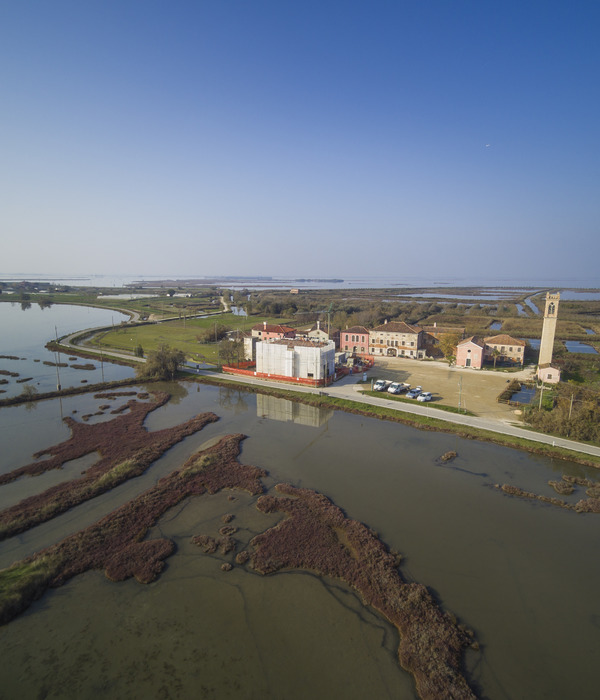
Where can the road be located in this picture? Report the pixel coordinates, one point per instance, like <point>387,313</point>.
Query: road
<point>349,388</point>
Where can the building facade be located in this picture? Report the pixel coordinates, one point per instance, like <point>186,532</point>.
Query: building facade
<point>508,349</point>
<point>355,340</point>
<point>470,352</point>
<point>474,351</point>
<point>296,358</point>
<point>397,339</point>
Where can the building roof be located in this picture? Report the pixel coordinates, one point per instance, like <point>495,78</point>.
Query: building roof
<point>473,339</point>
<point>356,329</point>
<point>503,339</point>
<point>273,328</point>
<point>396,327</point>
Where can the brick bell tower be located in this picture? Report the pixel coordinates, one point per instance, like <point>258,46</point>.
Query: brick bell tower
<point>549,329</point>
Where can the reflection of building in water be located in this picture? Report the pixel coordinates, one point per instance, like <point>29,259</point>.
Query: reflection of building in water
<point>290,411</point>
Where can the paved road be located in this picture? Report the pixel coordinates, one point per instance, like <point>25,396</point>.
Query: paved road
<point>348,388</point>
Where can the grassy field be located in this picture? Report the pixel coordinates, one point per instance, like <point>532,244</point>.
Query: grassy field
<point>181,334</point>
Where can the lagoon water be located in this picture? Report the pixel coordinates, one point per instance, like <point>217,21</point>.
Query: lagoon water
<point>521,574</point>
<point>26,328</point>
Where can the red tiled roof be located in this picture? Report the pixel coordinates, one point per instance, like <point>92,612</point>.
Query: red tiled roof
<point>272,328</point>
<point>503,339</point>
<point>473,339</point>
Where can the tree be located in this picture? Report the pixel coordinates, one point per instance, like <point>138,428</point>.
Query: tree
<point>139,351</point>
<point>231,351</point>
<point>448,343</point>
<point>212,334</point>
<point>162,363</point>
<point>495,355</point>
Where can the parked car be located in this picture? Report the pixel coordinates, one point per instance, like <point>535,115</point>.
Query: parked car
<point>380,385</point>
<point>395,388</point>
<point>413,393</point>
<point>424,396</point>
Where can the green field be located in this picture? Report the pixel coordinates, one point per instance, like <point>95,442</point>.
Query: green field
<point>181,334</point>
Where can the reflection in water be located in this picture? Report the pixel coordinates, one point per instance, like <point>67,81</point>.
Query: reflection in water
<point>290,411</point>
<point>233,399</point>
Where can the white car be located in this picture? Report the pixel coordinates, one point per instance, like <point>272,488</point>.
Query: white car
<point>424,396</point>
<point>380,385</point>
<point>395,388</point>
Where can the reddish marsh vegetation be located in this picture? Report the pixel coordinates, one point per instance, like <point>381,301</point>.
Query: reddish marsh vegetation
<point>116,543</point>
<point>566,486</point>
<point>126,450</point>
<point>318,537</point>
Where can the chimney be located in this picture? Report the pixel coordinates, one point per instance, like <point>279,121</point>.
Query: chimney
<point>318,325</point>
<point>385,320</point>
<point>435,324</point>
<point>264,325</point>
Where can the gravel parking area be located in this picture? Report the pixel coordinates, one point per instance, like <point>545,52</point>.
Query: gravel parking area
<point>478,389</point>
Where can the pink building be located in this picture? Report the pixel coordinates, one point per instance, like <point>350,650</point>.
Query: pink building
<point>355,340</point>
<point>470,352</point>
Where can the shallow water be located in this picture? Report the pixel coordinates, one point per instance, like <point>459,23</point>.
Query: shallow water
<point>578,346</point>
<point>25,333</point>
<point>507,568</point>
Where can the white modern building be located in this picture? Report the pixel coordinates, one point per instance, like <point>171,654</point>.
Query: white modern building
<point>296,358</point>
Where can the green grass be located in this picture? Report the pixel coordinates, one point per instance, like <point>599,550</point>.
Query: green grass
<point>179,334</point>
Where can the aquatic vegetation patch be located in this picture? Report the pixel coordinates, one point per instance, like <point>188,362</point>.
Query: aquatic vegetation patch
<point>431,643</point>
<point>591,504</point>
<point>86,365</point>
<point>9,357</point>
<point>7,373</point>
<point>126,450</point>
<point>116,542</point>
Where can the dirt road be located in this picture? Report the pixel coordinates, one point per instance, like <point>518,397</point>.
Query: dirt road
<point>477,389</point>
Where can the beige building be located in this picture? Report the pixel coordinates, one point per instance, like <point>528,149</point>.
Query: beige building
<point>397,339</point>
<point>509,348</point>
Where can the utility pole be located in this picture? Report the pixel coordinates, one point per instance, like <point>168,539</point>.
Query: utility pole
<point>571,407</point>
<point>459,392</point>
<point>541,394</point>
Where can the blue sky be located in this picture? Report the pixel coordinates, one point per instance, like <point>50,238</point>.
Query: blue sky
<point>303,138</point>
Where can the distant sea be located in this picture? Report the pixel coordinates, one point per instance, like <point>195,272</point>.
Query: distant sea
<point>375,282</point>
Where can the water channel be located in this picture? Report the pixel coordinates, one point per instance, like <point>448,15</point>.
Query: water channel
<point>507,568</point>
